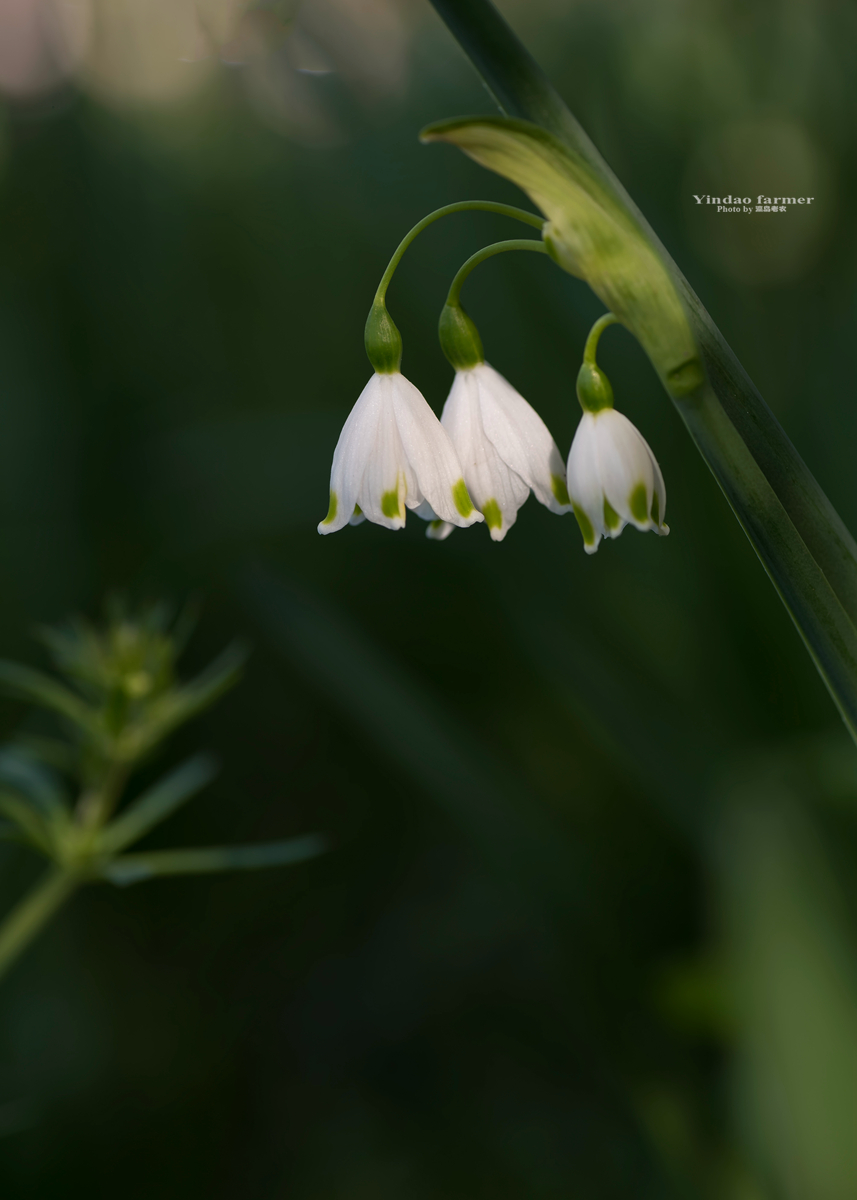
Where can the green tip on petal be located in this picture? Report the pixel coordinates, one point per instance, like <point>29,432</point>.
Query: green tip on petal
<point>390,505</point>
<point>559,489</point>
<point>585,527</point>
<point>461,497</point>
<point>493,516</point>
<point>331,512</point>
<point>611,518</point>
<point>638,503</point>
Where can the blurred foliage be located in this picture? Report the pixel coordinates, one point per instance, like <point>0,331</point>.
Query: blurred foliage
<point>118,699</point>
<point>589,924</point>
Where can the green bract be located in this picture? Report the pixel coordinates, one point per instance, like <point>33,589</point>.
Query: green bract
<point>382,340</point>
<point>459,338</point>
<point>594,390</point>
<point>588,234</point>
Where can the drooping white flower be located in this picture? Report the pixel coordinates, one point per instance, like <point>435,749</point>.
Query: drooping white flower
<point>392,455</point>
<point>505,448</point>
<point>614,479</point>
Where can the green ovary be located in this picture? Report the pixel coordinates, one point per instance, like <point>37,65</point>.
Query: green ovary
<point>493,516</point>
<point>331,512</point>
<point>390,505</point>
<point>585,525</point>
<point>559,489</point>
<point>462,498</point>
<point>611,518</point>
<point>638,503</point>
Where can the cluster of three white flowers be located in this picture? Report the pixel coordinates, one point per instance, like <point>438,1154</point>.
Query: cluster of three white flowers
<point>480,461</point>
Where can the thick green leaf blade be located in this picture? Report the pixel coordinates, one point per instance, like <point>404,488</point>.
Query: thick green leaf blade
<point>135,868</point>
<point>155,805</point>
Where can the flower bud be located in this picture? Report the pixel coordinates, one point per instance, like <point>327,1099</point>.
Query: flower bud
<point>459,338</point>
<point>593,388</point>
<point>382,340</point>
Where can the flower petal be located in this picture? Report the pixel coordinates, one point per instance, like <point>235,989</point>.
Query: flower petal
<point>353,450</point>
<point>437,530</point>
<point>430,455</point>
<point>624,467</point>
<point>384,485</point>
<point>521,438</point>
<point>496,490</point>
<point>584,484</point>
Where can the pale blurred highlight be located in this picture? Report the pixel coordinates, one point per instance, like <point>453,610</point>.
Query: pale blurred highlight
<point>154,53</point>
<point>42,43</point>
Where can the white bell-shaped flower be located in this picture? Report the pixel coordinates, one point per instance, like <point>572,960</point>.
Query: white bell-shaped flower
<point>505,449</point>
<point>614,479</point>
<point>392,455</point>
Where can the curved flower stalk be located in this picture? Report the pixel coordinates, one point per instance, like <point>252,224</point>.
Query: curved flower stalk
<point>588,234</point>
<point>393,454</point>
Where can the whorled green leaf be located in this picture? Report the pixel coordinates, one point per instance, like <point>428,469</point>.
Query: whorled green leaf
<point>38,688</point>
<point>589,234</point>
<point>158,803</point>
<point>23,773</point>
<point>30,823</point>
<point>180,704</point>
<point>135,868</point>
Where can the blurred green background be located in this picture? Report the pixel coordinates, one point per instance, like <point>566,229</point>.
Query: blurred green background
<point>588,925</point>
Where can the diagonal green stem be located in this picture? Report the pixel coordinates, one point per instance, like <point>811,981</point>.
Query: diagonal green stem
<point>32,913</point>
<point>806,549</point>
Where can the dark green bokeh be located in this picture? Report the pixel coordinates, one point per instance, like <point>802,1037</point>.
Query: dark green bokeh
<point>578,806</point>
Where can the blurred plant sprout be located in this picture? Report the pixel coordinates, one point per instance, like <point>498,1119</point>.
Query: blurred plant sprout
<point>118,699</point>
